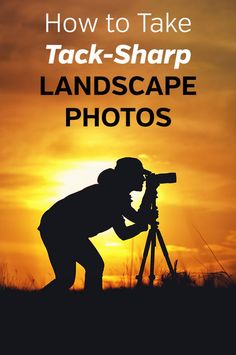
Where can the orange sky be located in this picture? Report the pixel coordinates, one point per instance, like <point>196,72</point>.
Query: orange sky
<point>42,160</point>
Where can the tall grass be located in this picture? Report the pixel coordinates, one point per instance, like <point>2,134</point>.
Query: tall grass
<point>12,279</point>
<point>128,279</point>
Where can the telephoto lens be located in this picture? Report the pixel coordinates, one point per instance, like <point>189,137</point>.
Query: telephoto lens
<point>166,178</point>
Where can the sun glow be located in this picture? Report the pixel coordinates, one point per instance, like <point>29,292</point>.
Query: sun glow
<point>60,180</point>
<point>78,176</point>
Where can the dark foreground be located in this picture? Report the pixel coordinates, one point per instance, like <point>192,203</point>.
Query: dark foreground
<point>192,320</point>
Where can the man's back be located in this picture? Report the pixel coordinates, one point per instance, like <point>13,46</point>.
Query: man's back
<point>88,211</point>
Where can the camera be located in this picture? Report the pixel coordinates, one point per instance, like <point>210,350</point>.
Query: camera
<point>164,178</point>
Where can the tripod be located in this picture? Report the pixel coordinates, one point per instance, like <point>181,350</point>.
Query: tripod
<point>153,233</point>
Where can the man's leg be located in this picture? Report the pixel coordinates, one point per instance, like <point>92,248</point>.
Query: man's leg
<point>93,264</point>
<point>64,269</point>
<point>63,264</point>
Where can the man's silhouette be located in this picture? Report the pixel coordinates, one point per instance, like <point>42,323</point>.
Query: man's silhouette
<point>66,228</point>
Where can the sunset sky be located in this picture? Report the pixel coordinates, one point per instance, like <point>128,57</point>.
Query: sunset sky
<point>42,160</point>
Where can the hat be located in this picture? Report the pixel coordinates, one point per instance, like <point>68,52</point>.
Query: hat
<point>128,164</point>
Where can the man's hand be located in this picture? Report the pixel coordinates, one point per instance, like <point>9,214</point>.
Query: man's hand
<point>152,215</point>
<point>142,226</point>
<point>148,217</point>
<point>151,182</point>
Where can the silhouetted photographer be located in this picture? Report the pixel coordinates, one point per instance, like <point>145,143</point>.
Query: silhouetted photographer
<point>66,228</point>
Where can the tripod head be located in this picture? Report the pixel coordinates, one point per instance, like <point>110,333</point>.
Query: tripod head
<point>154,210</point>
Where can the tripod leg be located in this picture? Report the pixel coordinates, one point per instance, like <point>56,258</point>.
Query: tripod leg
<point>152,260</point>
<point>139,277</point>
<point>165,252</point>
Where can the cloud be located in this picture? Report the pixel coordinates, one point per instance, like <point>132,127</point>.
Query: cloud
<point>179,248</point>
<point>14,180</point>
<point>230,240</point>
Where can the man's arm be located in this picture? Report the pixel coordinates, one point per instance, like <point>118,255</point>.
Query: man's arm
<point>126,232</point>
